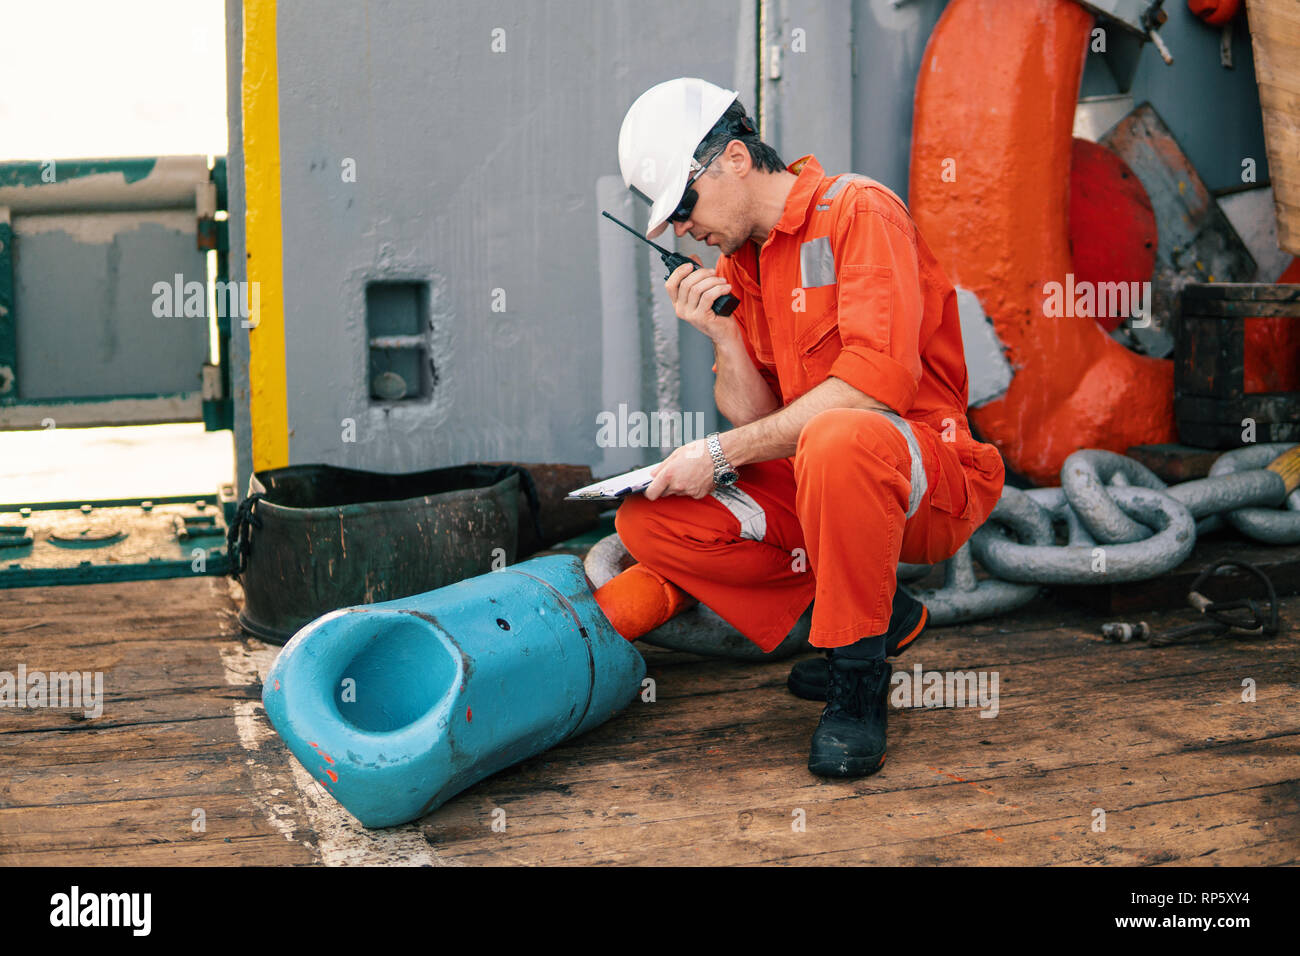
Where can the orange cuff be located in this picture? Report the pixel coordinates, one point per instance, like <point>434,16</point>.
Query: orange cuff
<point>638,600</point>
<point>877,375</point>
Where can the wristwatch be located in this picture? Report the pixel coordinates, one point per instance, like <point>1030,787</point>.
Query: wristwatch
<point>723,474</point>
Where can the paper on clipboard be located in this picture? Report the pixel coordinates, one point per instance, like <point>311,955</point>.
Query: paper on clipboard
<point>611,489</point>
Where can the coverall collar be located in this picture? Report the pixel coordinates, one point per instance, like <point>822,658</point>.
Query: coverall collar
<point>801,196</point>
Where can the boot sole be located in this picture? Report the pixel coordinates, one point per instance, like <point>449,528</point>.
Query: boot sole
<point>846,767</point>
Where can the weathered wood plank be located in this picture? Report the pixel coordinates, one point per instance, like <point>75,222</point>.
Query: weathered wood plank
<point>850,823</point>
<point>123,787</point>
<point>240,851</point>
<point>710,772</point>
<point>115,832</point>
<point>1275,38</point>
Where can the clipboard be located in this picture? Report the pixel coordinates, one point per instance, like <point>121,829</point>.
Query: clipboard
<point>619,486</point>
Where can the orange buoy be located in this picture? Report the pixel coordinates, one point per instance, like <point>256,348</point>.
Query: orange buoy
<point>990,188</point>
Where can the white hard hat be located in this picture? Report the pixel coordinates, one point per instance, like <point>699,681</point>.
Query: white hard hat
<point>661,131</point>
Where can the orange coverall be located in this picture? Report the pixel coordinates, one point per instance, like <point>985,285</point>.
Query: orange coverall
<point>849,289</point>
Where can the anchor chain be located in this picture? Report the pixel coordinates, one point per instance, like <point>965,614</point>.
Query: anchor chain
<point>1121,522</point>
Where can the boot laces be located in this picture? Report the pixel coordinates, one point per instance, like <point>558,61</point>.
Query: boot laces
<point>847,692</point>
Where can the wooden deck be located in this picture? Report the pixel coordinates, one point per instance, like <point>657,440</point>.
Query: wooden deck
<point>712,772</point>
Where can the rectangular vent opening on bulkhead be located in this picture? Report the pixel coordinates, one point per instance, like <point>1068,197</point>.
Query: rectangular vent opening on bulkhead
<point>397,332</point>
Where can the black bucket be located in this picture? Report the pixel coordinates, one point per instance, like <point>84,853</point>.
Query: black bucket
<point>310,539</point>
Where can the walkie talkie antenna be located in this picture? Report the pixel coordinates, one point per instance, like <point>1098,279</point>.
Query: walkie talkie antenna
<point>661,249</point>
<point>722,305</point>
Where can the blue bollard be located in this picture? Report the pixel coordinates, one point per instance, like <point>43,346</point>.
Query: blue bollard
<point>397,707</point>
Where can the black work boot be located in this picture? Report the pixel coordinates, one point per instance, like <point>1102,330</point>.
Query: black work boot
<point>907,622</point>
<point>850,738</point>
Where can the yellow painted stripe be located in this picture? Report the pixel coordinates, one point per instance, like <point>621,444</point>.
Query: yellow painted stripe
<point>268,400</point>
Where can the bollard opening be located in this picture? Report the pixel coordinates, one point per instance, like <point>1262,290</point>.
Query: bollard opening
<point>403,671</point>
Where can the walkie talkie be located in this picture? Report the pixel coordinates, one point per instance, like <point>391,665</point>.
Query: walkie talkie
<point>722,305</point>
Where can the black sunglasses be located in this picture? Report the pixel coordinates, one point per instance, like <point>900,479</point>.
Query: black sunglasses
<point>690,197</point>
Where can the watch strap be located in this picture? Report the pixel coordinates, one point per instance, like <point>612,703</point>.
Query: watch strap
<point>720,464</point>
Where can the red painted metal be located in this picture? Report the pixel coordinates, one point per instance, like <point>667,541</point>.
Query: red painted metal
<point>1272,349</point>
<point>1215,12</point>
<point>990,182</point>
<point>1112,224</point>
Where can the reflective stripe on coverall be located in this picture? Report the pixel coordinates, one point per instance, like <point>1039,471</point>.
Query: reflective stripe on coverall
<point>848,289</point>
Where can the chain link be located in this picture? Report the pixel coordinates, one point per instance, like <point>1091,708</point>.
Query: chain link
<point>1268,525</point>
<point>1125,524</point>
<point>1121,521</point>
<point>1094,563</point>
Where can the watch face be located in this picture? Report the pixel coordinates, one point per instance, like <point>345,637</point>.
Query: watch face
<point>727,478</point>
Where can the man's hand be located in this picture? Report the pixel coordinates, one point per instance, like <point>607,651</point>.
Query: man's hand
<point>693,294</point>
<point>687,471</point>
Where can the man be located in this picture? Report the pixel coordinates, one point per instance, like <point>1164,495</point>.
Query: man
<point>843,372</point>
